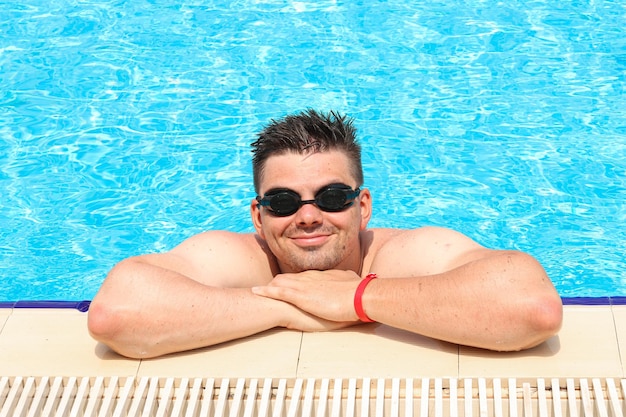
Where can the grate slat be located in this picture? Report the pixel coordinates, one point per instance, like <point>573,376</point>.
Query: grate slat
<point>616,407</point>
<point>26,397</point>
<point>69,392</point>
<point>365,396</point>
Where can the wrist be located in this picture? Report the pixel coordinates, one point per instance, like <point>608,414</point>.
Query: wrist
<point>358,298</point>
<point>274,313</point>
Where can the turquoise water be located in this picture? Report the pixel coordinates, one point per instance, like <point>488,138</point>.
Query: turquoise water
<point>125,126</point>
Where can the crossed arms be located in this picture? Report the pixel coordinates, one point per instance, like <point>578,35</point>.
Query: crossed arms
<point>221,286</point>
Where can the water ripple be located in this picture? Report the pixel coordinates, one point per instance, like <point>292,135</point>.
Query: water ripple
<point>125,126</point>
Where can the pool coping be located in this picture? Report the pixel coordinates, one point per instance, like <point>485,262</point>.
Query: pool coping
<point>54,342</point>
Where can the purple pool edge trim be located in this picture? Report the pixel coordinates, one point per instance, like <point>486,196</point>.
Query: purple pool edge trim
<point>78,305</point>
<point>84,304</point>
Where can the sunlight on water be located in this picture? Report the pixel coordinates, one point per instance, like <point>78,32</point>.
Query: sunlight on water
<point>125,126</point>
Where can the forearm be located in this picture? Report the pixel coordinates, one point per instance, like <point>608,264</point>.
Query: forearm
<point>146,311</point>
<point>505,302</point>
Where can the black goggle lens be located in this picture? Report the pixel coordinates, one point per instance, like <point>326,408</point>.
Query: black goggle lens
<point>287,202</point>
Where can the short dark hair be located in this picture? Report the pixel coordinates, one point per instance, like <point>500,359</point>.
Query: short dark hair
<point>307,131</point>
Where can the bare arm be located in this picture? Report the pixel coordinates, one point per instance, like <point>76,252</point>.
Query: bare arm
<point>195,296</point>
<point>441,284</point>
<point>501,301</point>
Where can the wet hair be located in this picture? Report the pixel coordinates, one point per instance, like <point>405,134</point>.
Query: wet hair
<point>307,132</point>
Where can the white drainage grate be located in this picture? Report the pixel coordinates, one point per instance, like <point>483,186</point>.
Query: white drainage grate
<point>112,396</point>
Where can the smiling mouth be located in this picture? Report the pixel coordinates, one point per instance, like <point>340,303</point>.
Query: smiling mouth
<point>310,240</point>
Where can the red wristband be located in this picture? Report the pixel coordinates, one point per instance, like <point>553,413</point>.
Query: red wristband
<point>358,298</point>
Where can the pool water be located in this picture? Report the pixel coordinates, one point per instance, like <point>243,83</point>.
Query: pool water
<point>125,126</point>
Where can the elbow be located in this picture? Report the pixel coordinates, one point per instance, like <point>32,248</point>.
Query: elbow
<point>109,325</point>
<point>104,325</point>
<point>546,318</point>
<point>541,314</point>
<point>112,318</point>
<point>540,320</point>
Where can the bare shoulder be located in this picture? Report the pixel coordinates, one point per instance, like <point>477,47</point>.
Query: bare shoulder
<point>421,251</point>
<point>221,258</point>
<point>219,240</point>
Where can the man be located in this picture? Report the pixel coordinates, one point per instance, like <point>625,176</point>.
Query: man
<point>312,264</point>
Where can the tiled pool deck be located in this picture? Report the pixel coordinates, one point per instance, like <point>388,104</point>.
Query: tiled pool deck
<point>55,342</point>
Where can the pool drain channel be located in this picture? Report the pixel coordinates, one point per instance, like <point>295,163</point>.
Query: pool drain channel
<point>320,397</point>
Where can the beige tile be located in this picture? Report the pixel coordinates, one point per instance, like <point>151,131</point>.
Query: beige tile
<point>375,351</point>
<point>619,314</point>
<point>586,346</point>
<point>39,342</point>
<point>269,354</point>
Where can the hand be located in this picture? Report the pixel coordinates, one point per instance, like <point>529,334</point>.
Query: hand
<point>325,294</point>
<point>297,319</point>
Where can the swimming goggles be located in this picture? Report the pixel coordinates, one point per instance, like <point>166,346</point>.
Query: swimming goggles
<point>285,202</point>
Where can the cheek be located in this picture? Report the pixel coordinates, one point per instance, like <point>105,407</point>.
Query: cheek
<point>273,237</point>
<point>357,221</point>
<point>272,228</point>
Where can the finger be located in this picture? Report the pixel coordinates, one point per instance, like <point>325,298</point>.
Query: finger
<point>286,281</point>
<point>275,292</point>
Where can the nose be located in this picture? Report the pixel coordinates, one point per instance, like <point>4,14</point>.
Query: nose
<point>308,214</point>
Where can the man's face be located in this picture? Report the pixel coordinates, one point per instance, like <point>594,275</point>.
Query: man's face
<point>312,238</point>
